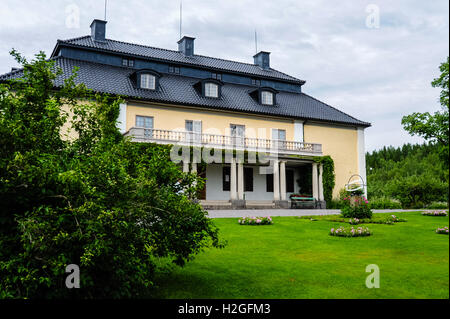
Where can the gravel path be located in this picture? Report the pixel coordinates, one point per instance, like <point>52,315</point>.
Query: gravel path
<point>225,213</point>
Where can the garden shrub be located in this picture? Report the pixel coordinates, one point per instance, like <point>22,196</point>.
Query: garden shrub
<point>437,205</point>
<point>110,206</point>
<point>356,207</point>
<point>384,203</point>
<point>255,221</point>
<point>350,232</point>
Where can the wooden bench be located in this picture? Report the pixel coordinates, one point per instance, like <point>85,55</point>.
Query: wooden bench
<point>302,202</point>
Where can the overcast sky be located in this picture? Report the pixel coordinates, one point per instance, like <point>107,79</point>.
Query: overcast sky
<point>376,72</point>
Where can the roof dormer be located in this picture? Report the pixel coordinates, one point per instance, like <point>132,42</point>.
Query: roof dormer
<point>210,88</point>
<point>146,79</point>
<point>265,96</point>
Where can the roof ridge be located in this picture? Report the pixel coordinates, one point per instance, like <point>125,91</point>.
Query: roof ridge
<point>174,51</point>
<point>334,108</point>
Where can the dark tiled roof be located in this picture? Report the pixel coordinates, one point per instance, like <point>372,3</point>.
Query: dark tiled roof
<point>178,89</point>
<point>177,57</point>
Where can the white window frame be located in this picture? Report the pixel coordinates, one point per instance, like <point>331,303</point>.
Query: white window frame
<point>266,98</point>
<point>147,81</point>
<point>148,130</point>
<point>195,134</point>
<point>210,92</point>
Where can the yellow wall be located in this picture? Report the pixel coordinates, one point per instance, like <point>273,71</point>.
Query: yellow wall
<point>173,118</point>
<point>341,143</point>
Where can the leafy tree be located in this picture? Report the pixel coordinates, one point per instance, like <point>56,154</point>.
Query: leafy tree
<point>395,172</point>
<point>113,207</point>
<point>434,127</point>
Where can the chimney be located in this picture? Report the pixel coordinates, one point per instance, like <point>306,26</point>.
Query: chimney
<point>98,30</point>
<point>186,46</point>
<point>262,59</point>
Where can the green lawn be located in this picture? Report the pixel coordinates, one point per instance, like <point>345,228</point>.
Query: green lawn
<point>296,258</point>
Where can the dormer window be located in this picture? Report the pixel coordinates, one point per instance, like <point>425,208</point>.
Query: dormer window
<point>148,81</point>
<point>266,98</point>
<point>211,90</point>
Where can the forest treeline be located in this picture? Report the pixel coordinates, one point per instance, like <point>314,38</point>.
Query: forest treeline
<point>414,175</point>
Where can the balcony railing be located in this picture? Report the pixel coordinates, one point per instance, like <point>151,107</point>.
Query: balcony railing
<point>140,134</point>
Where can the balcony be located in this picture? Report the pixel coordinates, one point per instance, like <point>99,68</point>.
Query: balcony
<point>139,134</point>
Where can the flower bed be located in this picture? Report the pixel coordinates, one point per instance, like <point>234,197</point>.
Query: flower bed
<point>435,213</point>
<point>256,220</point>
<point>390,220</point>
<point>350,232</point>
<point>442,230</point>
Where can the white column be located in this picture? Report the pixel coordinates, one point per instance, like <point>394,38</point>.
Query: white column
<point>240,184</point>
<point>320,182</point>
<point>276,181</point>
<point>185,167</point>
<point>283,180</point>
<point>194,168</point>
<point>362,157</point>
<point>315,187</point>
<point>122,119</point>
<point>233,180</point>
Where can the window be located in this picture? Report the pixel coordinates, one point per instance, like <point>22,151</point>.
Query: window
<point>278,134</point>
<point>211,90</point>
<point>216,76</point>
<point>266,98</point>
<point>174,69</point>
<point>256,82</point>
<point>145,122</point>
<point>237,134</point>
<point>248,179</point>
<point>289,181</point>
<point>226,176</point>
<point>148,81</point>
<point>279,137</point>
<point>194,130</point>
<point>128,63</point>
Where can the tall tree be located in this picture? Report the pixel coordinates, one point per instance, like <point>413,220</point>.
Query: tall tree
<point>433,127</point>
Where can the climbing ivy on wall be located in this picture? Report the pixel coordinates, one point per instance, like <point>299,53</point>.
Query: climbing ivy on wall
<point>328,178</point>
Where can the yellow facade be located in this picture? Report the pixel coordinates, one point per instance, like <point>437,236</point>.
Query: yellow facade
<point>213,122</point>
<point>341,143</point>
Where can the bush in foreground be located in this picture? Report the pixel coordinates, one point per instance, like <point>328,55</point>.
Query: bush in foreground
<point>255,220</point>
<point>350,232</point>
<point>110,206</point>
